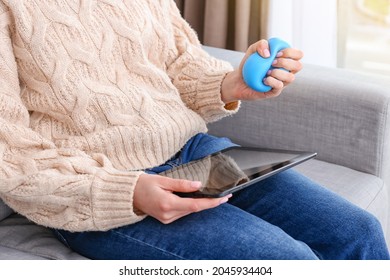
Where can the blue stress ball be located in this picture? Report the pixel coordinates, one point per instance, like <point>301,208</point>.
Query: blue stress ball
<point>256,67</point>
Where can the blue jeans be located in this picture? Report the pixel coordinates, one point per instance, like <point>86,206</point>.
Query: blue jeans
<point>286,216</point>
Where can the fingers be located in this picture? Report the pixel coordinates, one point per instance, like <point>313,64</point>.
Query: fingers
<point>289,59</point>
<point>262,47</point>
<point>283,76</point>
<point>179,185</point>
<point>193,205</point>
<point>291,65</point>
<point>275,84</point>
<point>291,53</point>
<point>153,195</point>
<point>179,207</point>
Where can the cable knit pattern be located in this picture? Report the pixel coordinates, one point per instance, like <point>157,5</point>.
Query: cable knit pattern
<point>91,92</point>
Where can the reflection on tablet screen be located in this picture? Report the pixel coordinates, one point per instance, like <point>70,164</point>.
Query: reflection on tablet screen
<point>235,168</point>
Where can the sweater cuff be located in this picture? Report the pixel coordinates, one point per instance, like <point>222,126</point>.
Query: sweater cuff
<point>112,199</point>
<point>207,93</point>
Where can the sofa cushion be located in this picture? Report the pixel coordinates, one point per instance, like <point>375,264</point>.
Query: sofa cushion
<point>5,211</point>
<point>365,190</point>
<point>13,254</point>
<point>24,240</point>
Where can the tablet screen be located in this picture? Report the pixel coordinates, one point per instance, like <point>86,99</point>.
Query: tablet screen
<point>235,168</point>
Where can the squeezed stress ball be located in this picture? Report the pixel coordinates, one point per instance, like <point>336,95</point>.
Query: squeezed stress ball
<point>256,67</point>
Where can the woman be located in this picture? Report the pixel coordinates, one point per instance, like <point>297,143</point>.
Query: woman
<point>97,95</point>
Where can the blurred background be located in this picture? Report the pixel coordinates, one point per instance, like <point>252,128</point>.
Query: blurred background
<point>352,34</point>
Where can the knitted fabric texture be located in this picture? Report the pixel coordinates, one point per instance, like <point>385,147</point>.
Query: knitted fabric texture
<point>92,93</point>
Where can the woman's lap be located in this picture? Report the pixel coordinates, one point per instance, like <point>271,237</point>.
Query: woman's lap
<point>283,217</point>
<point>225,232</point>
<point>330,225</point>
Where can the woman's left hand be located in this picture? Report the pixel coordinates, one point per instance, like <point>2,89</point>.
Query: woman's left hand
<point>234,87</point>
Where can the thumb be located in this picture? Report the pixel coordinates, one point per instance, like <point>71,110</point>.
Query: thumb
<point>180,185</point>
<point>263,48</point>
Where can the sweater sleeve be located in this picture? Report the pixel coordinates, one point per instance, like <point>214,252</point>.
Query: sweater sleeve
<point>57,188</point>
<point>197,76</point>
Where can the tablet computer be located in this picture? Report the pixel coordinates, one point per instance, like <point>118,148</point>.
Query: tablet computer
<point>235,168</point>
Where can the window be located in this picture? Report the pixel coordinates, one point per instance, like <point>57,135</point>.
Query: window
<point>352,34</point>
<point>364,35</point>
<point>309,25</point>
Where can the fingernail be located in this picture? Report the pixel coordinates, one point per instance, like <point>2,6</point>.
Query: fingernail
<point>274,62</point>
<point>196,184</point>
<point>223,200</point>
<point>269,72</point>
<point>279,54</point>
<point>266,53</point>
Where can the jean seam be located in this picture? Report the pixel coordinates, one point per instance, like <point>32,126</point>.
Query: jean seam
<point>146,244</point>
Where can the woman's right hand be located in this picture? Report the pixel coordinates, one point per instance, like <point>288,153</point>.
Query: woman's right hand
<point>153,195</point>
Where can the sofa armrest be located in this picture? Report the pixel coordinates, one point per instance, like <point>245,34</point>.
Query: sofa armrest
<point>342,115</point>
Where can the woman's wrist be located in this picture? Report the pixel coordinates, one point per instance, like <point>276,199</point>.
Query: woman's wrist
<point>228,87</point>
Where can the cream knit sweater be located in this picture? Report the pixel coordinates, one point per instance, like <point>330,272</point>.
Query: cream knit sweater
<point>91,92</point>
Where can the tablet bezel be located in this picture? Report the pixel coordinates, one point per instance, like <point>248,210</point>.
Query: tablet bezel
<point>272,169</point>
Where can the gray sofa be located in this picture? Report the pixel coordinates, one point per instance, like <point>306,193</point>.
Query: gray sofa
<point>343,116</point>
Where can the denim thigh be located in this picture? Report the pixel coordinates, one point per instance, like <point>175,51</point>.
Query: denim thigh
<point>331,226</point>
<point>224,232</point>
<point>286,216</point>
